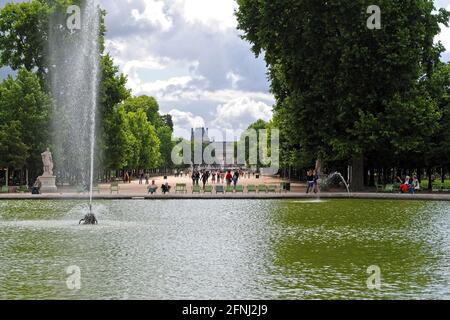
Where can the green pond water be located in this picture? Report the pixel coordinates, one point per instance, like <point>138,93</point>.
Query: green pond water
<point>225,249</point>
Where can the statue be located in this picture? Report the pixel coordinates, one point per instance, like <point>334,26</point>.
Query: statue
<point>47,181</point>
<point>47,160</point>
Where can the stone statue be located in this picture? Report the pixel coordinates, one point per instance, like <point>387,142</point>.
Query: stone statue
<point>47,160</point>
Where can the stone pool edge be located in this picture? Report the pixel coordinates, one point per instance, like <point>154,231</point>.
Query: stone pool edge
<point>278,196</point>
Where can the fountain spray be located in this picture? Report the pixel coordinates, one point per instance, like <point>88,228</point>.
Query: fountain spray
<point>74,60</point>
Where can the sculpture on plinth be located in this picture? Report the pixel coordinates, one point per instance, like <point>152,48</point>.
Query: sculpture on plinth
<point>47,180</point>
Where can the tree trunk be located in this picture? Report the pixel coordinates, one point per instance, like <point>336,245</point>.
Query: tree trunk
<point>357,183</point>
<point>430,181</point>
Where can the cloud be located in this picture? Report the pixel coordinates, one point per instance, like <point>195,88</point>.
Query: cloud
<point>154,14</point>
<point>242,111</point>
<point>218,15</point>
<point>183,122</point>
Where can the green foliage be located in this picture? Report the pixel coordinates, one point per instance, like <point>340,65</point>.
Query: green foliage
<point>343,90</point>
<point>25,108</point>
<point>13,152</point>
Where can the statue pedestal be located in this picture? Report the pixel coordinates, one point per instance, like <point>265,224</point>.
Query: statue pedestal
<point>48,184</point>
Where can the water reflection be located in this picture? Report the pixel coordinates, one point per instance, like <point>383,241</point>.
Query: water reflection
<point>226,249</point>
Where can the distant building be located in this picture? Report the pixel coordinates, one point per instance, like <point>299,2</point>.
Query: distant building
<point>224,149</point>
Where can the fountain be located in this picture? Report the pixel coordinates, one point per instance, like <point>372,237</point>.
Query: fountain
<point>341,177</point>
<point>74,75</point>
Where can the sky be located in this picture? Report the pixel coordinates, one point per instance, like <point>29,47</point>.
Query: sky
<point>188,54</point>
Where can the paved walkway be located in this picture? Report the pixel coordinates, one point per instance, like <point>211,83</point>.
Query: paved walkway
<point>136,191</point>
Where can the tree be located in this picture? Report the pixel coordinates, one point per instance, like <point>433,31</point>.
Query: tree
<point>13,151</point>
<point>27,106</point>
<point>146,145</point>
<point>341,89</point>
<point>25,30</point>
<point>119,141</point>
<point>165,136</point>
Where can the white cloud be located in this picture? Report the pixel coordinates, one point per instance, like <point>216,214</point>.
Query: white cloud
<point>240,112</point>
<point>234,79</point>
<point>184,121</point>
<point>154,14</point>
<point>217,14</point>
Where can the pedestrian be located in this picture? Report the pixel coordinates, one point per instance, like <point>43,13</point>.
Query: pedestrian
<point>235,178</point>
<point>146,178</point>
<point>228,178</point>
<point>310,181</point>
<point>141,178</point>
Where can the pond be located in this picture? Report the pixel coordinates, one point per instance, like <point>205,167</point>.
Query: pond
<point>225,249</point>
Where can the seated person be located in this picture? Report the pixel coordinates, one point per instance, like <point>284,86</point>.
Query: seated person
<point>165,188</point>
<point>415,184</point>
<point>152,188</point>
<point>36,189</point>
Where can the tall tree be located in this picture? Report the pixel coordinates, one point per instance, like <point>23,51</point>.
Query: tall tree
<point>342,89</point>
<point>23,101</point>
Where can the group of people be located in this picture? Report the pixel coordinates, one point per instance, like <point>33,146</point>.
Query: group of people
<point>409,185</point>
<point>153,188</point>
<point>313,181</point>
<point>216,177</point>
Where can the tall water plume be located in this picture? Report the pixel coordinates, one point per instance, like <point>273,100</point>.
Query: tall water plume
<point>74,74</point>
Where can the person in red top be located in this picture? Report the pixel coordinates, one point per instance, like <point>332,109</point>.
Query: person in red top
<point>228,177</point>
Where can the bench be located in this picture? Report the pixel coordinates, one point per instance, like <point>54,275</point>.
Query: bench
<point>272,188</point>
<point>4,189</point>
<point>239,189</point>
<point>379,187</point>
<point>285,187</point>
<point>196,189</point>
<point>181,187</point>
<point>262,188</point>
<point>114,187</point>
<point>208,189</point>
<point>251,188</point>
<point>229,189</point>
<point>23,189</point>
<point>220,189</point>
<point>96,189</point>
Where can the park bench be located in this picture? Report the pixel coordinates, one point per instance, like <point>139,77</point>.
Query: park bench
<point>229,189</point>
<point>220,189</point>
<point>208,189</point>
<point>285,187</point>
<point>181,187</point>
<point>114,187</point>
<point>239,189</point>
<point>272,188</point>
<point>251,188</point>
<point>23,189</point>
<point>262,188</point>
<point>81,189</point>
<point>96,189</point>
<point>196,189</point>
<point>389,188</point>
<point>4,189</point>
<point>379,187</point>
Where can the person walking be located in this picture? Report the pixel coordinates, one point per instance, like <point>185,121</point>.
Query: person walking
<point>310,181</point>
<point>228,178</point>
<point>141,178</point>
<point>316,182</point>
<point>235,178</point>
